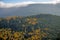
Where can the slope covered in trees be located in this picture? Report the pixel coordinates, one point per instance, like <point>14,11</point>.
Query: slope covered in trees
<point>35,27</point>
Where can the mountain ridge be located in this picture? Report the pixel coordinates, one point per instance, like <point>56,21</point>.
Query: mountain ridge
<point>31,9</point>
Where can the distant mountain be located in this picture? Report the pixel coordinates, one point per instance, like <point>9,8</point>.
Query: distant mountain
<point>31,9</point>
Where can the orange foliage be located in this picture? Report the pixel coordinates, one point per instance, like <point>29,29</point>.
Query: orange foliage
<point>45,28</point>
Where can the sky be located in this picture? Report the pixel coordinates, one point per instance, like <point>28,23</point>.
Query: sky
<point>19,3</point>
<point>14,1</point>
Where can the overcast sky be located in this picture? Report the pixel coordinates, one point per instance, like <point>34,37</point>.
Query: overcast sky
<point>11,3</point>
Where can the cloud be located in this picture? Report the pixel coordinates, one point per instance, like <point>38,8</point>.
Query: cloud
<point>23,4</point>
<point>56,1</point>
<point>8,5</point>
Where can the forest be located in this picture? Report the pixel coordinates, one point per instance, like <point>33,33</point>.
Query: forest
<point>35,27</point>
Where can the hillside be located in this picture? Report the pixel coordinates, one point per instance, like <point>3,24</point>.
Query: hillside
<point>31,9</point>
<point>43,23</point>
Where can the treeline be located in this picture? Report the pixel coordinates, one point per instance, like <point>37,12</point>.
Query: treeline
<point>36,27</point>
